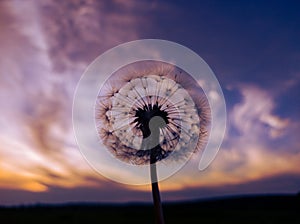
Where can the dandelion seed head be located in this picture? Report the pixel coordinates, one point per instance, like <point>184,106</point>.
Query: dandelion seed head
<point>122,93</point>
<point>135,94</point>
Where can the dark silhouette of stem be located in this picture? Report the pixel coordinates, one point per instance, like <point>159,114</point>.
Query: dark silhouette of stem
<point>159,217</point>
<point>155,152</point>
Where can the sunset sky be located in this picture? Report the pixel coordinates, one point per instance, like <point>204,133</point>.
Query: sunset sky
<point>253,48</point>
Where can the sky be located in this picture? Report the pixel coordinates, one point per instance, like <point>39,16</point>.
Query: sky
<point>253,48</point>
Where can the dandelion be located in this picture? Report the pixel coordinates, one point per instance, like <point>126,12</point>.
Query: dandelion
<point>149,112</point>
<point>131,98</point>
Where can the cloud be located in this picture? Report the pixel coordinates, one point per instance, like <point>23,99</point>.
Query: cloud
<point>254,115</point>
<point>45,47</point>
<point>79,31</point>
<point>248,154</point>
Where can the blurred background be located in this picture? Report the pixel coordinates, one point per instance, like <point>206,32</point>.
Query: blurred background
<point>252,46</point>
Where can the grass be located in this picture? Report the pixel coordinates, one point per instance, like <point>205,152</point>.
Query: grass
<point>263,209</point>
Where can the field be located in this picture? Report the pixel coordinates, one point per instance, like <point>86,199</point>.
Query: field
<point>259,209</point>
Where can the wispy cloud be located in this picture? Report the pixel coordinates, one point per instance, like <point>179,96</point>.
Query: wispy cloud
<point>45,47</point>
<point>248,152</point>
<point>254,116</point>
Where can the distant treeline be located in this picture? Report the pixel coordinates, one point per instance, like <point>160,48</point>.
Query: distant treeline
<point>251,209</point>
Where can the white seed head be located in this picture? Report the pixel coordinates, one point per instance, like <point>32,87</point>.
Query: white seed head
<point>173,91</point>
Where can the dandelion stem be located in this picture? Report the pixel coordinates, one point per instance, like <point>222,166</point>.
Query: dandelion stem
<point>155,152</point>
<point>159,217</point>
